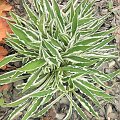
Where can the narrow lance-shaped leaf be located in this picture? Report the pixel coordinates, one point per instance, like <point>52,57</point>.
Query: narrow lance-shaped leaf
<point>17,102</point>
<point>86,105</point>
<point>104,42</point>
<point>86,91</point>
<point>32,108</point>
<point>49,8</point>
<point>76,59</point>
<point>31,13</point>
<point>67,117</point>
<point>7,59</point>
<point>98,81</point>
<point>42,93</point>
<point>74,23</point>
<point>20,34</point>
<point>71,12</point>
<point>79,111</point>
<point>10,80</point>
<point>32,79</point>
<point>7,74</point>
<point>32,65</point>
<point>53,50</point>
<point>41,24</point>
<point>18,110</point>
<point>58,12</point>
<point>46,108</point>
<point>77,49</point>
<point>68,5</point>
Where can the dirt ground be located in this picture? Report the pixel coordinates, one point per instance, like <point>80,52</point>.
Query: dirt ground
<point>108,111</point>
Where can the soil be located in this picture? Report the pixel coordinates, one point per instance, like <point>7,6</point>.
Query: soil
<point>108,111</point>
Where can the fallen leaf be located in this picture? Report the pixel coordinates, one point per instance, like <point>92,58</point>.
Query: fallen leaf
<point>50,115</point>
<point>4,7</point>
<point>3,51</point>
<point>5,87</point>
<point>4,28</point>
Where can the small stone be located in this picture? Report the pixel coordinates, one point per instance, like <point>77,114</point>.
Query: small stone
<point>60,116</point>
<point>64,100</point>
<point>113,116</point>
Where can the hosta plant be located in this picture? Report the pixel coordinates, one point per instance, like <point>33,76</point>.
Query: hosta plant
<point>60,49</point>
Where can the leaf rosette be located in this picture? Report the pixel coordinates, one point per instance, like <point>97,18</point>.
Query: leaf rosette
<point>60,51</point>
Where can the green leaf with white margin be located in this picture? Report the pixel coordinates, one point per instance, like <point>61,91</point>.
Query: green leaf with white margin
<point>32,79</point>
<point>89,85</point>
<point>73,69</point>
<point>18,110</point>
<point>15,17</point>
<point>46,108</point>
<point>71,12</point>
<point>17,102</point>
<point>32,34</point>
<point>98,73</point>
<point>101,94</point>
<point>15,45</point>
<point>98,81</point>
<point>46,99</point>
<point>86,104</point>
<point>76,59</point>
<point>41,24</point>
<point>103,43</point>
<point>59,27</point>
<point>68,5</point>
<point>36,93</point>
<point>30,13</point>
<point>67,117</point>
<point>7,75</point>
<point>89,40</point>
<point>7,59</point>
<point>91,62</point>
<point>95,90</point>
<point>49,8</point>
<point>74,23</point>
<point>84,21</point>
<point>64,38</point>
<point>20,34</point>
<point>32,108</point>
<point>88,7</point>
<point>32,65</point>
<point>58,12</point>
<point>52,50</point>
<point>10,80</point>
<point>42,93</point>
<point>104,33</point>
<point>79,111</point>
<point>86,92</point>
<point>61,87</point>
<point>56,43</point>
<point>28,53</point>
<point>77,49</point>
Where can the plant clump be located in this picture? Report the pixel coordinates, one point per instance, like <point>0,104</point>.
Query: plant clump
<point>60,51</point>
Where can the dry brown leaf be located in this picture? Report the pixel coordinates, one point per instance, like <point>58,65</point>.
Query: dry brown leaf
<point>3,51</point>
<point>4,28</point>
<point>4,7</point>
<point>5,87</point>
<point>50,115</point>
